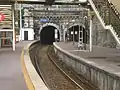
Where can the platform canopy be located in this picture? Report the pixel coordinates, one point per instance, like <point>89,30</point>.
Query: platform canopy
<point>42,1</point>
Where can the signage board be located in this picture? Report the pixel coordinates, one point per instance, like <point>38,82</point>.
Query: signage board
<point>2,17</point>
<point>44,20</point>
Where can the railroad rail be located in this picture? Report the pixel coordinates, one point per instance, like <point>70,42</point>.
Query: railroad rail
<point>53,75</point>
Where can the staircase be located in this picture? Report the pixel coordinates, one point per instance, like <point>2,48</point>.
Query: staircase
<point>108,16</point>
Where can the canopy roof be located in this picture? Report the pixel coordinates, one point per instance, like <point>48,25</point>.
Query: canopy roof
<point>42,1</point>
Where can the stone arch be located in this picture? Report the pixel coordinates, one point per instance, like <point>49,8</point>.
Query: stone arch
<point>71,25</point>
<point>50,24</point>
<point>75,24</point>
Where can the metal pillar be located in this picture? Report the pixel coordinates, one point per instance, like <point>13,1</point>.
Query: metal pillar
<point>90,35</point>
<point>73,21</point>
<point>73,36</point>
<point>79,35</point>
<point>20,23</point>
<point>13,27</point>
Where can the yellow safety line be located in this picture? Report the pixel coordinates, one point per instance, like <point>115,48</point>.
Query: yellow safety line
<point>25,73</point>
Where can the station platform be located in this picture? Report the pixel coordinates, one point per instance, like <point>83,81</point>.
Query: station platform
<point>11,75</point>
<point>104,58</point>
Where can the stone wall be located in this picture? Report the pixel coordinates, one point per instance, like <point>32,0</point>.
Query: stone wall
<point>102,37</point>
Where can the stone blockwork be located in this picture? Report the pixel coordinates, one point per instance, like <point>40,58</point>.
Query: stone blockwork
<point>102,37</point>
<point>94,73</point>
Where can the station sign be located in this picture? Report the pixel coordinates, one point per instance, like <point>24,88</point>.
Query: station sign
<point>2,17</point>
<point>44,20</point>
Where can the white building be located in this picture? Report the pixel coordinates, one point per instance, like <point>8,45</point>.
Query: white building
<point>26,23</point>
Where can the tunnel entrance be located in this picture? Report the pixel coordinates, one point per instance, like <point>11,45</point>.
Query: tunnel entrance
<point>49,34</point>
<point>77,32</point>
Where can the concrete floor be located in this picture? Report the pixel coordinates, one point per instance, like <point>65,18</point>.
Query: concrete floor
<point>11,75</point>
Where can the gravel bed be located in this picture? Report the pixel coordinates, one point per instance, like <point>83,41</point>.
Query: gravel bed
<point>53,77</point>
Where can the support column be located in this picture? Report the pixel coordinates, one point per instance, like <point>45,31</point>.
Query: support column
<point>65,31</point>
<point>73,36</point>
<point>13,20</point>
<point>90,35</point>
<point>20,23</point>
<point>62,32</point>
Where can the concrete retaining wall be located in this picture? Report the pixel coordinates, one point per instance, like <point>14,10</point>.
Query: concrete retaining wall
<point>94,74</point>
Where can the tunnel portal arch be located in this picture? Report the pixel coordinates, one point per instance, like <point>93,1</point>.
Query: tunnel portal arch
<point>74,29</point>
<point>49,33</point>
<point>50,24</point>
<point>76,24</point>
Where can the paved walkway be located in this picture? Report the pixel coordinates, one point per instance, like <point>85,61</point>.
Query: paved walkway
<point>107,58</point>
<point>11,76</point>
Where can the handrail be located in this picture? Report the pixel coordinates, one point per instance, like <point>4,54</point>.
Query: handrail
<point>97,13</point>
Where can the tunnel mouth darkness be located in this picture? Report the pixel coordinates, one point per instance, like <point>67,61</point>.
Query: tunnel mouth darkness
<point>48,35</point>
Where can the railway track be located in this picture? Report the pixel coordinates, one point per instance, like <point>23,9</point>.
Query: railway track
<point>52,71</point>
